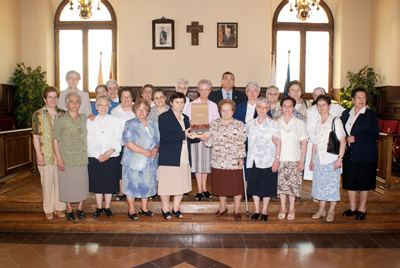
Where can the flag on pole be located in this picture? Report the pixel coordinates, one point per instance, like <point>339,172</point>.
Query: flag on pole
<point>220,35</point>
<point>111,66</point>
<point>272,79</point>
<point>287,76</point>
<point>100,75</point>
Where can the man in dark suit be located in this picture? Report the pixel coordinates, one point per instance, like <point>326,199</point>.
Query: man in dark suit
<point>227,91</point>
<point>228,38</point>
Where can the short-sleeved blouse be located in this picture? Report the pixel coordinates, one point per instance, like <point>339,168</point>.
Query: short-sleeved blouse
<point>292,134</point>
<point>261,149</point>
<point>212,110</point>
<point>322,138</point>
<point>227,142</point>
<point>72,139</point>
<point>42,126</point>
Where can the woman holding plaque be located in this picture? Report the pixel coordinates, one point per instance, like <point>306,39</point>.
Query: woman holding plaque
<point>201,155</point>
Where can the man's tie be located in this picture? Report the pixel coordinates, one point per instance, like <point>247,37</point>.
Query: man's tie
<point>228,95</point>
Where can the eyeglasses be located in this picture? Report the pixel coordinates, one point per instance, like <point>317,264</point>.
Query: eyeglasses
<point>159,98</point>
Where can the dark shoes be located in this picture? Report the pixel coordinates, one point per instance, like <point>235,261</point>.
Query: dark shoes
<point>133,216</point>
<point>198,196</point>
<point>81,214</point>
<point>167,215</point>
<point>237,216</point>
<point>108,212</point>
<point>147,213</point>
<point>70,216</point>
<point>178,214</point>
<point>350,212</point>
<point>220,213</point>
<point>98,212</point>
<point>361,215</point>
<point>207,194</point>
<point>255,216</point>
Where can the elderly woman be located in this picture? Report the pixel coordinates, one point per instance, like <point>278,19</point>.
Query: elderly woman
<point>293,155</point>
<point>182,85</point>
<point>73,78</point>
<point>262,158</point>
<point>295,90</point>
<point>104,147</point>
<point>70,148</point>
<point>227,138</point>
<point>272,95</point>
<point>246,111</point>
<point>160,102</point>
<point>101,90</point>
<point>201,155</point>
<point>360,162</point>
<point>326,166</point>
<point>174,176</point>
<point>141,138</point>
<point>124,109</point>
<point>146,92</point>
<point>112,87</point>
<point>124,112</point>
<point>42,133</point>
<point>312,117</point>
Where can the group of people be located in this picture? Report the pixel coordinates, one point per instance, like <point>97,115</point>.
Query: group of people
<point>136,149</point>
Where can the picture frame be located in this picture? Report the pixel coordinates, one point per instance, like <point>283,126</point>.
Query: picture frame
<point>227,34</point>
<point>163,33</point>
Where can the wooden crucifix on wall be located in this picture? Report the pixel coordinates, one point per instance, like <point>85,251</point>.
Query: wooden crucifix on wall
<point>194,29</point>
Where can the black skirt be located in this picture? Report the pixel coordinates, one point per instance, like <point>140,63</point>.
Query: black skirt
<point>359,176</point>
<point>104,176</point>
<point>262,182</point>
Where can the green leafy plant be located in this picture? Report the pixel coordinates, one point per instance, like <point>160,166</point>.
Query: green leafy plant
<point>365,78</point>
<point>28,84</point>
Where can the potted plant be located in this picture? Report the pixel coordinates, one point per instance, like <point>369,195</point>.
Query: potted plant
<point>365,78</point>
<point>28,84</point>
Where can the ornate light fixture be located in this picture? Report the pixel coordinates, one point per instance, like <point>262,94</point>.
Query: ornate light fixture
<point>84,9</point>
<point>304,8</point>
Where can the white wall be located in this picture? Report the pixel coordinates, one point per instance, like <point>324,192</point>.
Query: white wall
<point>30,39</point>
<point>10,44</point>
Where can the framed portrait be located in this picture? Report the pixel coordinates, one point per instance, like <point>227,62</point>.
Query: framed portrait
<point>227,34</point>
<point>163,34</point>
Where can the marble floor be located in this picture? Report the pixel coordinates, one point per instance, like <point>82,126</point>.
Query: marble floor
<point>76,250</point>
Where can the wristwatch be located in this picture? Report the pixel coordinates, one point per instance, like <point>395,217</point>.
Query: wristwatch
<point>340,157</point>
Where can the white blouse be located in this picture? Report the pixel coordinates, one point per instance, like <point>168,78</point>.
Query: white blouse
<point>124,115</point>
<point>104,134</point>
<point>352,119</point>
<point>322,138</point>
<point>313,115</point>
<point>292,134</point>
<point>261,149</point>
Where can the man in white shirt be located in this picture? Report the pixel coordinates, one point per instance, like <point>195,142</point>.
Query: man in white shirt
<point>312,118</point>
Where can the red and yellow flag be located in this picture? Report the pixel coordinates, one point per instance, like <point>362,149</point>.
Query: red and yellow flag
<point>100,75</point>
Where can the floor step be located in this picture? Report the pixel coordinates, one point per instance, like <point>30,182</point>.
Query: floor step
<point>198,224</point>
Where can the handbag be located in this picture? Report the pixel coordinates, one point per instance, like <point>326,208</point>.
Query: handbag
<point>333,143</point>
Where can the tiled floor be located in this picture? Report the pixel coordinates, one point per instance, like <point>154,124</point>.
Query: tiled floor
<point>212,250</point>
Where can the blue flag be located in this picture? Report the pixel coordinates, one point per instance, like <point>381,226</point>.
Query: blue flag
<point>285,92</point>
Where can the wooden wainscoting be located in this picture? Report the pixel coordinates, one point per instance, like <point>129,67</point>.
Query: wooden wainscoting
<point>16,152</point>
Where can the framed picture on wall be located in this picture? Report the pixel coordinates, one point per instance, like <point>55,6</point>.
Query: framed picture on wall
<point>163,34</point>
<point>227,34</point>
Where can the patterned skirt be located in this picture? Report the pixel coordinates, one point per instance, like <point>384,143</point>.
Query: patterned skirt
<point>289,178</point>
<point>139,184</point>
<point>326,182</point>
<point>201,158</point>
